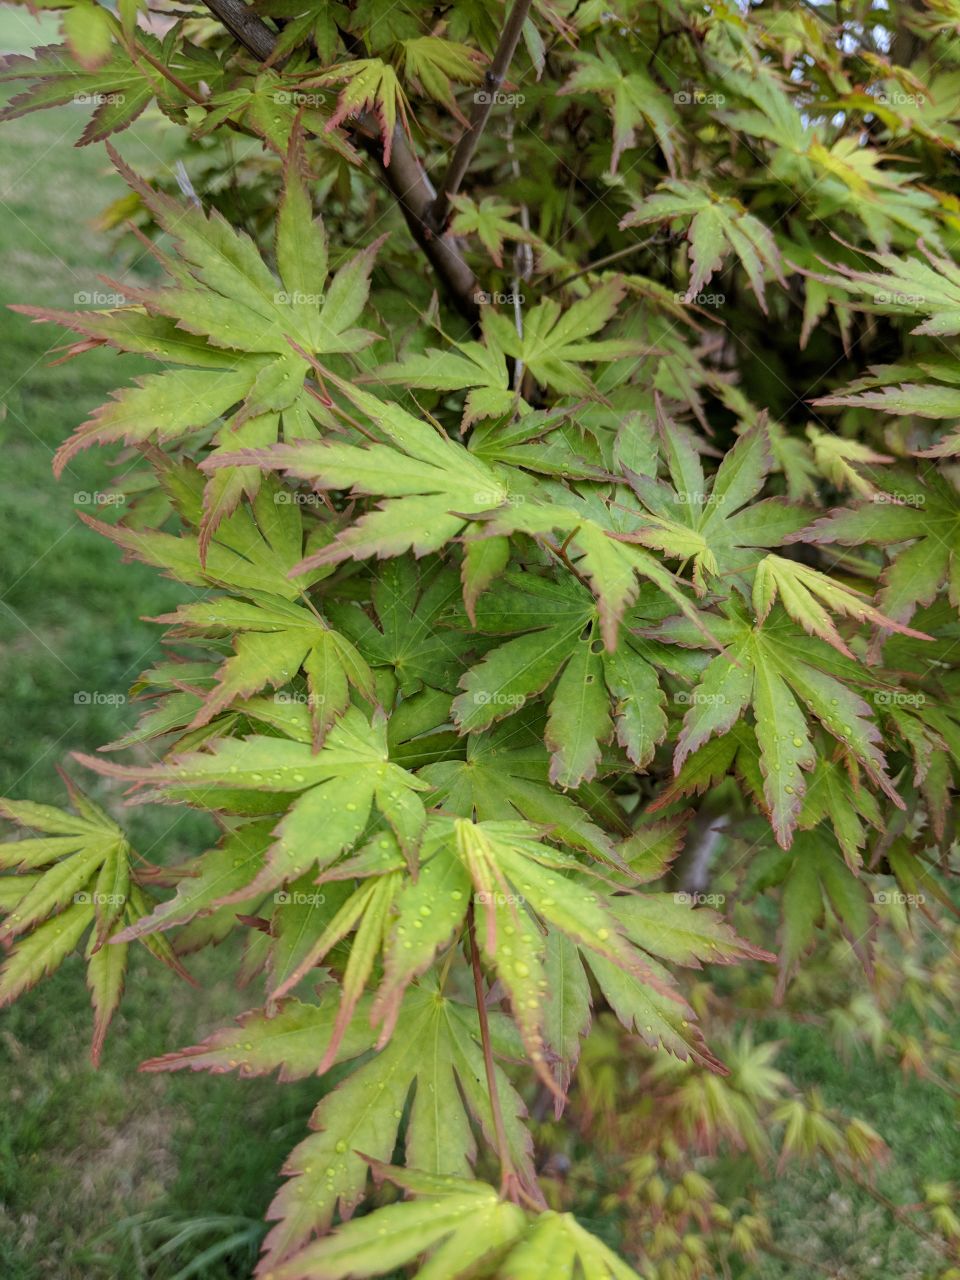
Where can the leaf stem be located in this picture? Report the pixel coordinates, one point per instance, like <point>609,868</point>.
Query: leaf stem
<point>508,1176</point>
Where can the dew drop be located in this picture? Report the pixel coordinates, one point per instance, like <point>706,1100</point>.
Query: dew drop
<point>798,742</point>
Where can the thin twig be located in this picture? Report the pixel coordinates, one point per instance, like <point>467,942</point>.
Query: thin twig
<point>404,176</point>
<point>483,101</point>
<point>605,262</point>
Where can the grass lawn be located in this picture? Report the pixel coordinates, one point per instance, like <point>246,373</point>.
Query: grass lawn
<point>83,1151</point>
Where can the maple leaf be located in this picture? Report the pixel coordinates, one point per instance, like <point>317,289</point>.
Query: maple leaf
<point>784,676</point>
<point>819,876</point>
<point>632,98</point>
<point>491,222</point>
<point>435,1051</point>
<point>243,324</point>
<point>904,510</point>
<point>554,343</point>
<point>435,64</point>
<point>416,612</point>
<point>909,286</point>
<point>463,1226</point>
<point>340,783</point>
<point>716,524</point>
<point>558,628</point>
<point>117,88</point>
<point>369,84</point>
<point>801,590</point>
<point>718,226</point>
<point>504,777</point>
<point>274,638</point>
<point>84,881</point>
<point>427,486</point>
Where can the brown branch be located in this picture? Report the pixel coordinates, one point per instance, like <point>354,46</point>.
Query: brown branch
<point>483,102</point>
<point>252,32</point>
<point>405,176</point>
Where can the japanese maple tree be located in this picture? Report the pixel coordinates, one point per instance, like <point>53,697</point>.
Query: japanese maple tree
<point>556,447</point>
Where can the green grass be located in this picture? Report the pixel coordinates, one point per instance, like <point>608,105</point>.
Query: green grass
<point>82,1151</point>
<point>89,1160</point>
<point>839,1226</point>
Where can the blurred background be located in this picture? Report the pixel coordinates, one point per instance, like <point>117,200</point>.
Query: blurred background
<point>113,1174</point>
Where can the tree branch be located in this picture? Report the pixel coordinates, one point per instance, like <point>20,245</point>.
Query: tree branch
<point>405,176</point>
<point>482,106</point>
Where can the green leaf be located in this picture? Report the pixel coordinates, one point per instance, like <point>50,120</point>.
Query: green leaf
<point>717,227</point>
